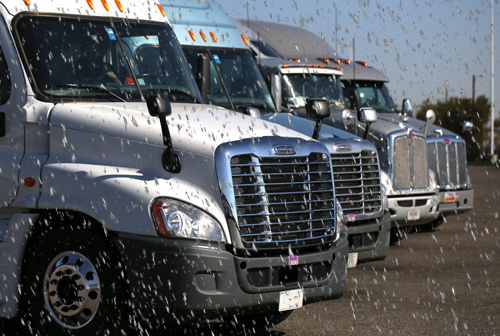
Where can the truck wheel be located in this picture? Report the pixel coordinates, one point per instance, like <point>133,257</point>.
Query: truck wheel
<point>260,321</point>
<point>73,286</point>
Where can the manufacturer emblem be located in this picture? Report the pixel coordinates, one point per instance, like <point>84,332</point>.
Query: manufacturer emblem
<point>342,148</point>
<point>446,141</point>
<point>283,150</point>
<point>410,136</point>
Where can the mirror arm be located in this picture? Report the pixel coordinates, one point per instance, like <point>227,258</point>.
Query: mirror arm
<point>170,161</point>
<point>317,129</point>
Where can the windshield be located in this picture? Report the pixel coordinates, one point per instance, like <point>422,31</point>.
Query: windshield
<point>373,94</point>
<point>90,59</point>
<point>236,81</point>
<point>298,88</point>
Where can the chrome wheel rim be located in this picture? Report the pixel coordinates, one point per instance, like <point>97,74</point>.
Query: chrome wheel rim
<point>72,290</point>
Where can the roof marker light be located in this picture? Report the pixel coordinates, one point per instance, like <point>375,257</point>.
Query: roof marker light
<point>362,63</point>
<point>244,39</point>
<point>119,5</point>
<point>336,60</point>
<point>203,36</point>
<point>284,66</point>
<point>326,60</point>
<point>91,5</point>
<point>193,37</point>
<point>160,7</point>
<point>214,38</point>
<point>105,4</point>
<point>27,2</point>
<point>295,60</point>
<point>346,61</point>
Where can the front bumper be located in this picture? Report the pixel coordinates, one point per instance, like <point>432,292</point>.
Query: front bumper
<point>409,210</point>
<point>370,240</point>
<point>174,279</point>
<point>452,202</point>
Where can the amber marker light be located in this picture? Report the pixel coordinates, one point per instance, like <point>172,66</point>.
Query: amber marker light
<point>336,60</point>
<point>295,60</point>
<point>27,2</point>
<point>363,63</point>
<point>105,4</point>
<point>203,36</point>
<point>158,209</point>
<point>193,37</point>
<point>284,66</point>
<point>119,5</point>
<point>29,182</point>
<point>214,38</point>
<point>160,7</point>
<point>91,5</point>
<point>244,39</point>
<point>326,60</point>
<point>346,61</point>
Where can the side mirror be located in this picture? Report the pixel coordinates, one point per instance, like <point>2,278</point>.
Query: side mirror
<point>355,100</point>
<point>430,118</point>
<point>368,116</point>
<point>159,106</point>
<point>317,109</point>
<point>203,77</point>
<point>467,126</point>
<point>407,108</point>
<point>253,112</point>
<point>276,91</point>
<point>347,117</point>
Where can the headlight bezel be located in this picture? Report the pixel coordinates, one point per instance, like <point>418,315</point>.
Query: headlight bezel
<point>177,219</point>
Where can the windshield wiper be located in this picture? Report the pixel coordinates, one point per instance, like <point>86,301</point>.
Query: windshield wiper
<point>173,93</point>
<point>91,87</point>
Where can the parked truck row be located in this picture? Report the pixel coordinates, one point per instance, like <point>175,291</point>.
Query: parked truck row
<point>157,172</point>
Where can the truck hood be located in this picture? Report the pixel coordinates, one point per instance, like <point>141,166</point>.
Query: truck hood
<point>194,128</point>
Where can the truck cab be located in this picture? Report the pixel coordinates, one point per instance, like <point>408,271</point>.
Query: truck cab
<point>125,201</point>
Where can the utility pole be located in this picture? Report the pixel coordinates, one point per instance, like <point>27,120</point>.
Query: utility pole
<point>492,121</point>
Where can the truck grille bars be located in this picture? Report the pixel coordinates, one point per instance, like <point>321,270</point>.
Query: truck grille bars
<point>448,159</point>
<point>357,182</point>
<point>410,163</point>
<point>283,200</point>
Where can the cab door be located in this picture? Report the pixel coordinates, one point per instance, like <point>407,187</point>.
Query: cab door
<point>12,100</point>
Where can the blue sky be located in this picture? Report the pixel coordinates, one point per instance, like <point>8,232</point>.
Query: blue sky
<point>422,46</point>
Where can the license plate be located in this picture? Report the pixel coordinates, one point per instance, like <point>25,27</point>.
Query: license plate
<point>292,299</point>
<point>413,214</point>
<point>352,261</point>
<point>450,197</point>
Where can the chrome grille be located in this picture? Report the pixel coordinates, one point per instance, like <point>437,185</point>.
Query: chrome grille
<point>449,162</point>
<point>410,163</point>
<point>283,200</point>
<point>357,182</point>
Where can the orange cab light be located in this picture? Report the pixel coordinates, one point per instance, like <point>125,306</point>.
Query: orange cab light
<point>326,60</point>
<point>308,65</point>
<point>160,7</point>
<point>91,5</point>
<point>244,39</point>
<point>315,66</point>
<point>321,66</point>
<point>362,63</point>
<point>203,36</point>
<point>105,4</point>
<point>295,60</point>
<point>119,5</point>
<point>346,61</point>
<point>193,37</point>
<point>27,2</point>
<point>338,68</point>
<point>336,60</point>
<point>214,38</point>
<point>147,37</point>
<point>29,182</point>
<point>284,66</point>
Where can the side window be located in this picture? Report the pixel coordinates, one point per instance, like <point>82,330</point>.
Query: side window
<point>5,85</point>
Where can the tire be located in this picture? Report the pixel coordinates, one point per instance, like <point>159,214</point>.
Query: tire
<point>262,321</point>
<point>73,286</point>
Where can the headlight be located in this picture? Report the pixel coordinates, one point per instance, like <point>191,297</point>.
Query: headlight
<point>178,219</point>
<point>339,215</point>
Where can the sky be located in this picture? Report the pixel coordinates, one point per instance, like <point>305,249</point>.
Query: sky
<point>424,47</point>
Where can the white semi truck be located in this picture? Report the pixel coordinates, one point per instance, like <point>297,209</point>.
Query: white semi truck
<point>123,198</point>
<point>411,184</point>
<point>205,29</point>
